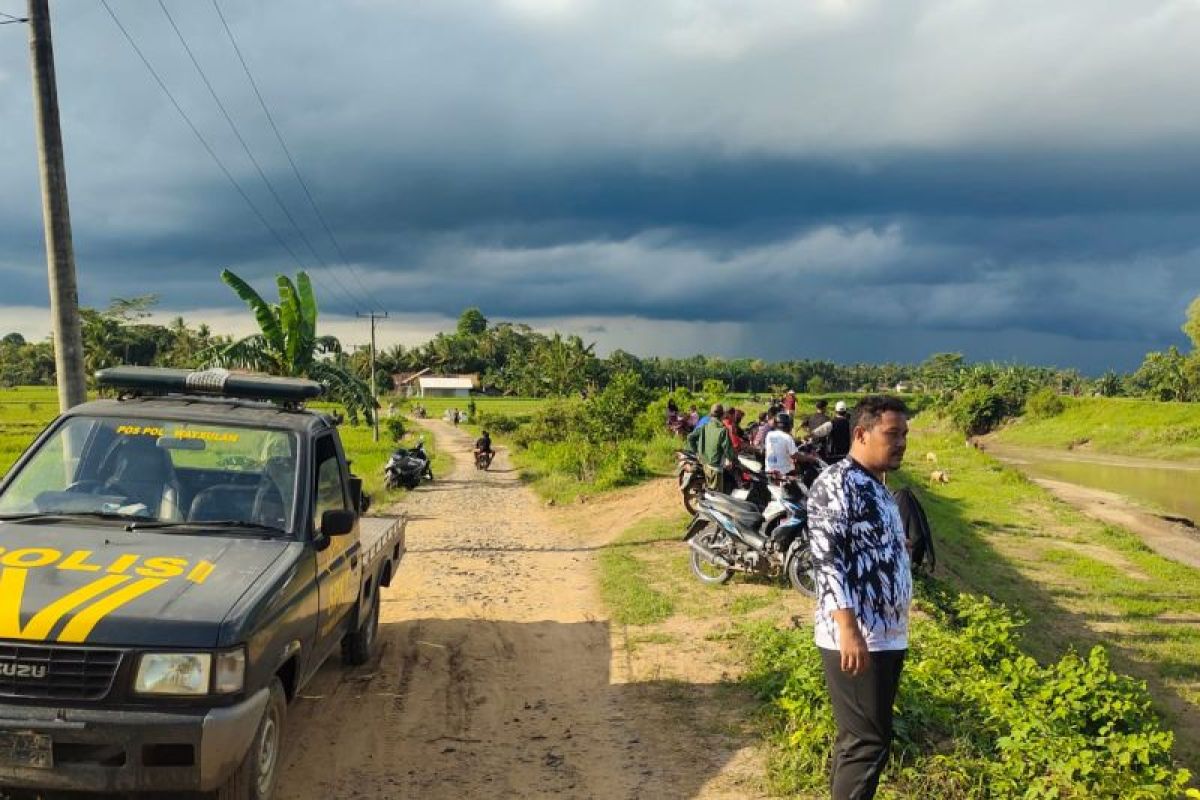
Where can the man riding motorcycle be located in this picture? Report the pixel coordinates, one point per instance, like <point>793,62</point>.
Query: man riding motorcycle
<point>483,447</point>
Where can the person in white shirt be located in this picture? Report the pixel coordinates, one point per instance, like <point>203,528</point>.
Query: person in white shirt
<point>779,445</point>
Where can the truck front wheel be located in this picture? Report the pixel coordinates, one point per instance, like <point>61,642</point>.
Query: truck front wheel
<point>256,776</point>
<point>358,646</point>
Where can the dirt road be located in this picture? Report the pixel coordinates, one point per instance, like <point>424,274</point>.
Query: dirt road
<point>497,675</point>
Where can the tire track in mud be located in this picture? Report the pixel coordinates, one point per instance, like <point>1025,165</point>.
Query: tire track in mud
<point>496,677</point>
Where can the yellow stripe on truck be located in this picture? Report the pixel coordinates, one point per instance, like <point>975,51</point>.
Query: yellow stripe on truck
<point>12,588</point>
<point>80,626</point>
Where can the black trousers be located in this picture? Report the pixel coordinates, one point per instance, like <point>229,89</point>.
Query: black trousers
<point>862,709</point>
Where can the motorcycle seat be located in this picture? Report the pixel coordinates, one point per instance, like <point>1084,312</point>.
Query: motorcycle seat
<point>744,513</point>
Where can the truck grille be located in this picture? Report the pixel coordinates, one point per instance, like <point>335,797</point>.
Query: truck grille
<point>56,673</point>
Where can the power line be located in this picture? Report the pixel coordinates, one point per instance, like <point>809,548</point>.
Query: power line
<point>287,151</point>
<point>250,155</point>
<point>199,136</point>
<point>11,19</point>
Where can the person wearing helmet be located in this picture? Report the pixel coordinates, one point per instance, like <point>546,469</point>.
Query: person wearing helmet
<point>483,445</point>
<point>839,435</point>
<point>779,445</point>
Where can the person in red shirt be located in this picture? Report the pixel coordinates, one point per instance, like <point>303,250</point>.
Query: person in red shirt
<point>789,402</point>
<point>730,421</point>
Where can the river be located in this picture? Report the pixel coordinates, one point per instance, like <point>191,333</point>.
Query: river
<point>1165,486</point>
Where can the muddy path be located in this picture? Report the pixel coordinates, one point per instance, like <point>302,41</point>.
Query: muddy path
<point>498,673</point>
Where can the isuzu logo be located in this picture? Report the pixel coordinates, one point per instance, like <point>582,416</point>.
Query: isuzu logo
<point>18,670</point>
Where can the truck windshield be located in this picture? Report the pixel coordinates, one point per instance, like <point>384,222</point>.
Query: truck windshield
<point>161,470</point>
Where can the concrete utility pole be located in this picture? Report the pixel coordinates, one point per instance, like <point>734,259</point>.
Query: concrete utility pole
<point>374,393</point>
<point>60,256</point>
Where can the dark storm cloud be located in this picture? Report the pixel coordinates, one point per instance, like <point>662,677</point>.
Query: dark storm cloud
<point>914,176</point>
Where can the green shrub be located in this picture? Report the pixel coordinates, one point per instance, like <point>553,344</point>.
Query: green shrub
<point>609,415</point>
<point>622,465</point>
<point>977,410</point>
<point>395,427</point>
<point>976,717</point>
<point>557,421</point>
<point>496,422</point>
<point>1045,403</point>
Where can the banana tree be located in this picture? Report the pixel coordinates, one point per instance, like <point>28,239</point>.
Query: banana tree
<point>287,343</point>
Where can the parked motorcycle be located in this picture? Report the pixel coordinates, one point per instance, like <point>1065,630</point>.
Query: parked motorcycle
<point>690,474</point>
<point>729,535</point>
<point>407,467</point>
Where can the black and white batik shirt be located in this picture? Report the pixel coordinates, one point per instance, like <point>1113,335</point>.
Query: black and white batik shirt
<point>861,560</point>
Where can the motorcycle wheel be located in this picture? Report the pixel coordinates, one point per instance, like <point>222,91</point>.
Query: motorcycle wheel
<point>706,571</point>
<point>692,491</point>
<point>799,568</point>
<point>391,482</point>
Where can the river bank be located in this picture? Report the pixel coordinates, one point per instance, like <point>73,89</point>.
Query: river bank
<point>1154,499</point>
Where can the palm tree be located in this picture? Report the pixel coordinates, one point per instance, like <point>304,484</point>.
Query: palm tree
<point>288,345</point>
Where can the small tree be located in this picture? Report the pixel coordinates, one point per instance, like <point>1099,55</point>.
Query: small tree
<point>288,343</point>
<point>816,385</point>
<point>610,413</point>
<point>1191,325</point>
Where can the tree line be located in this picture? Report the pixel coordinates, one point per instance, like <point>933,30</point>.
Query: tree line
<point>512,358</point>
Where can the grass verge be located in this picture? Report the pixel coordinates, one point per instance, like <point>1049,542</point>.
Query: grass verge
<point>1115,425</point>
<point>623,585</point>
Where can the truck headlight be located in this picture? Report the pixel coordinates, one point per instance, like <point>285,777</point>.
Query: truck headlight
<point>191,673</point>
<point>173,673</point>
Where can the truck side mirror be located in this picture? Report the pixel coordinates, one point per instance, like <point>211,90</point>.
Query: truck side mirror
<point>337,522</point>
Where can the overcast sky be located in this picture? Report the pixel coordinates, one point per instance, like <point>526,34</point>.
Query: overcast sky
<point>836,179</point>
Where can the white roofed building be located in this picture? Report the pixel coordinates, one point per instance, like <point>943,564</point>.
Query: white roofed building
<point>435,386</point>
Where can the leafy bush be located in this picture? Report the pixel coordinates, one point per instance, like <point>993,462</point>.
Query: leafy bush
<point>622,465</point>
<point>555,422</point>
<point>609,414</point>
<point>976,718</point>
<point>495,422</point>
<point>1045,403</point>
<point>653,420</point>
<point>395,427</point>
<point>977,410</point>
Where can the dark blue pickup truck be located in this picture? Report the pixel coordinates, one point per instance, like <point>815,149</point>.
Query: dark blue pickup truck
<point>175,565</point>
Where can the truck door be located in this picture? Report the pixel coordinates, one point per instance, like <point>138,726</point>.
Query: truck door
<point>338,557</point>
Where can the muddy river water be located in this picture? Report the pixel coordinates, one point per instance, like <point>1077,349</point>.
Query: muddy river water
<point>1168,487</point>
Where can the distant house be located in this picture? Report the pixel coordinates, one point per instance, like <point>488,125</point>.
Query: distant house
<point>439,386</point>
<point>903,387</point>
<point>405,383</point>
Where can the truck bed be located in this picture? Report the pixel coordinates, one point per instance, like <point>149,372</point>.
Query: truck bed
<point>379,534</point>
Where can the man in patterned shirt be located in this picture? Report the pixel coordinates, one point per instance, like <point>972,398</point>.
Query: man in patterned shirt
<point>864,588</point>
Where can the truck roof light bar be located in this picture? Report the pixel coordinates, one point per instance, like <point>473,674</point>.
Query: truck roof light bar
<point>210,382</point>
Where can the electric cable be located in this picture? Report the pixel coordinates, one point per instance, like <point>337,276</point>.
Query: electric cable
<point>204,142</point>
<point>346,294</point>
<point>288,153</point>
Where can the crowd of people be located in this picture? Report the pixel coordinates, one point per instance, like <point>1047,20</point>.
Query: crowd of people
<point>832,442</point>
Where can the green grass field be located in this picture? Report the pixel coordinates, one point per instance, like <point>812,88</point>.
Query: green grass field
<point>1115,425</point>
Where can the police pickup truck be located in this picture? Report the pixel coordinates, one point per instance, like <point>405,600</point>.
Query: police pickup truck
<point>175,565</point>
